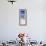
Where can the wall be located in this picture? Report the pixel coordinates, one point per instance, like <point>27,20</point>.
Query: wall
<point>36,17</point>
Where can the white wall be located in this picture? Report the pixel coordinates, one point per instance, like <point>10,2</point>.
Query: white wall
<point>36,19</point>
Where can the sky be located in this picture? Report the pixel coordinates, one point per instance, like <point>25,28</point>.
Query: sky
<point>36,19</point>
